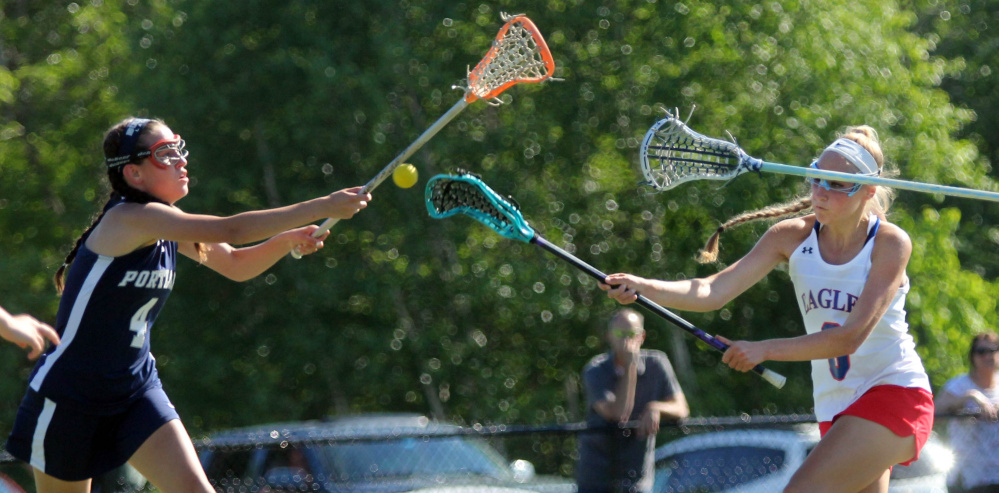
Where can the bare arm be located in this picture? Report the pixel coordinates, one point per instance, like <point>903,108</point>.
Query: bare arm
<point>619,410</point>
<point>672,409</point>
<point>891,253</point>
<point>241,264</point>
<point>27,332</point>
<point>947,402</point>
<point>130,226</point>
<point>714,291</point>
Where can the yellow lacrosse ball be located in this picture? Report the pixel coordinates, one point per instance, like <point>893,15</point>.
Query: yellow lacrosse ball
<point>405,175</point>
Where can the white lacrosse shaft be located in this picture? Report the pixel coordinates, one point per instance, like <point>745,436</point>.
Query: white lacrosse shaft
<point>518,54</point>
<point>672,153</point>
<point>753,164</point>
<point>401,158</point>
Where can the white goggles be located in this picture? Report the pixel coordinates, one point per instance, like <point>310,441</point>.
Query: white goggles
<point>831,185</point>
<point>168,153</point>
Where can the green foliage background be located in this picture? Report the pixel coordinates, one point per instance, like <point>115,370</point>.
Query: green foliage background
<point>282,101</point>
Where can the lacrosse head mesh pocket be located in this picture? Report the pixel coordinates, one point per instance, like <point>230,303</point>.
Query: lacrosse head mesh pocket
<point>672,154</point>
<point>447,195</point>
<point>518,54</point>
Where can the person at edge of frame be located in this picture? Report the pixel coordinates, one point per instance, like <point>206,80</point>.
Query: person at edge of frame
<point>27,332</point>
<point>974,438</point>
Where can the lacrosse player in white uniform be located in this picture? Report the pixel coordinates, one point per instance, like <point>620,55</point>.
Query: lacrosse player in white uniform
<point>847,263</point>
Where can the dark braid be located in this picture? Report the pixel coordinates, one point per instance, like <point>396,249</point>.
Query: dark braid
<point>118,186</point>
<point>710,251</point>
<point>120,189</point>
<point>59,278</point>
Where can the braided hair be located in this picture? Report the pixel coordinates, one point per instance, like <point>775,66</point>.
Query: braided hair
<point>709,253</point>
<point>120,189</point>
<point>864,135</point>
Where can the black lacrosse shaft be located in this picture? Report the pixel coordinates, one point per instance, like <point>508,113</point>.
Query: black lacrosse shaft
<point>642,300</point>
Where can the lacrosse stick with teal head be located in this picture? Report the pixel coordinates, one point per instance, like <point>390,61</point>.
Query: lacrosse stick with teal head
<point>465,193</point>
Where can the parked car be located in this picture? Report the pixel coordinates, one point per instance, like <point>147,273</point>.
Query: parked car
<point>366,453</point>
<point>763,460</point>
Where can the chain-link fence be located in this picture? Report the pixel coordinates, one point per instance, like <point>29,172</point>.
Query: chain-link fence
<point>407,453</point>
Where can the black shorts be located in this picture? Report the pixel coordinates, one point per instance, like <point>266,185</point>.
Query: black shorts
<point>73,446</point>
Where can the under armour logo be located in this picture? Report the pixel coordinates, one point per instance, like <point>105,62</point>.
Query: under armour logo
<point>806,250</point>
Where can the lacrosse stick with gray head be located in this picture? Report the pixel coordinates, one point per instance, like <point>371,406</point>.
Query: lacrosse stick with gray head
<point>672,153</point>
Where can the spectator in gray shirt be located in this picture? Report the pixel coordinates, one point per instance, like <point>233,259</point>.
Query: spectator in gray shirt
<point>625,384</point>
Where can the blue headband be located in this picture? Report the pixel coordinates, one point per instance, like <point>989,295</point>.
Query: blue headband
<point>132,132</point>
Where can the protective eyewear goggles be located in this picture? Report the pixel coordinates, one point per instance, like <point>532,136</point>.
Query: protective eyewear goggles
<point>166,153</point>
<point>833,186</point>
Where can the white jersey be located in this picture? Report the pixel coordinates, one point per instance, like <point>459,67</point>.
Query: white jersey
<point>826,295</point>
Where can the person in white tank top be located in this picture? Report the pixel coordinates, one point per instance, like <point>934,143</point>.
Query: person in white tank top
<point>826,294</point>
<point>847,264</point>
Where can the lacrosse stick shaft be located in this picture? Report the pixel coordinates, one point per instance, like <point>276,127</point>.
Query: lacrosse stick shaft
<point>518,54</point>
<point>776,379</point>
<point>874,180</point>
<point>672,153</point>
<point>401,158</point>
<point>416,145</point>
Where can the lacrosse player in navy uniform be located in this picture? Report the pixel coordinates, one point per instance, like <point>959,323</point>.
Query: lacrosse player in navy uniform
<point>847,264</point>
<point>95,400</point>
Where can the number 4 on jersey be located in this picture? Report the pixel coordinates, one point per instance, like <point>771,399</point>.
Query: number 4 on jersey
<point>140,323</point>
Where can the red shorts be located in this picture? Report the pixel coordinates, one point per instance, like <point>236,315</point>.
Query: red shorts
<point>905,411</point>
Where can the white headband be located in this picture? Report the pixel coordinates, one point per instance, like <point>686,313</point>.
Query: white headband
<point>856,154</point>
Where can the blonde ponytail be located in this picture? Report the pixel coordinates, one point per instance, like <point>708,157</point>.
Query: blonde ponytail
<point>709,253</point>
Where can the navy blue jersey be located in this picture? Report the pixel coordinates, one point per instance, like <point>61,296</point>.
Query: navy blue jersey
<point>103,362</point>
